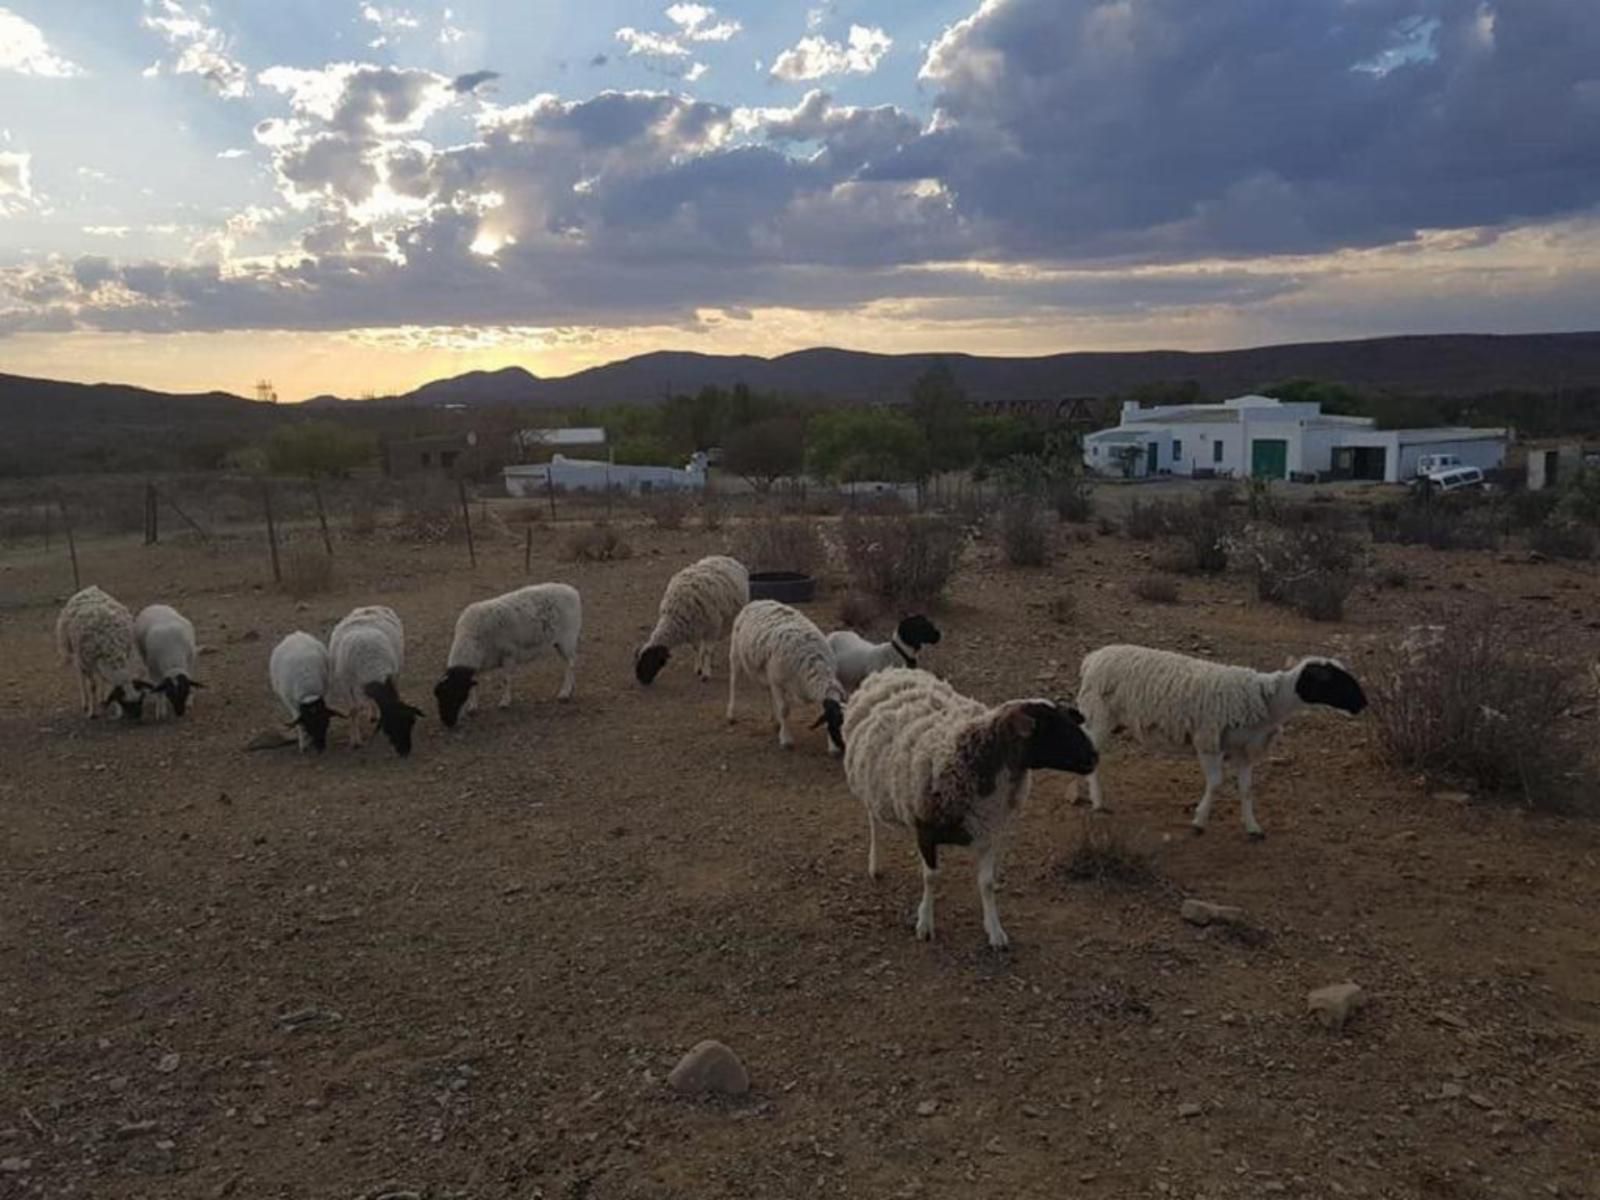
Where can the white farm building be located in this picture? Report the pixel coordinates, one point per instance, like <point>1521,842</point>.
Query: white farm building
<point>588,475</point>
<point>1267,438</point>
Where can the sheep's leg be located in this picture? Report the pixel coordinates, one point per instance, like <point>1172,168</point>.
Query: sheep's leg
<point>85,696</point>
<point>569,655</point>
<point>702,664</point>
<point>925,909</point>
<point>358,718</point>
<point>505,689</point>
<point>1211,763</point>
<point>472,701</point>
<point>733,686</point>
<point>300,736</point>
<point>1097,800</point>
<point>780,709</point>
<point>872,843</point>
<point>1247,806</point>
<point>987,863</point>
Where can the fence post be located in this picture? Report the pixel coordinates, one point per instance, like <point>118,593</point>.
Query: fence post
<point>47,527</point>
<point>527,550</point>
<point>72,543</point>
<point>272,530</point>
<point>322,516</point>
<point>550,491</point>
<point>150,535</point>
<point>466,518</point>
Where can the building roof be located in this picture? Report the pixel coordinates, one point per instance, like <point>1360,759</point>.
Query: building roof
<point>578,435</point>
<point>1412,437</point>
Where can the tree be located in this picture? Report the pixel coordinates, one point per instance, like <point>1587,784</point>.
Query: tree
<point>939,408</point>
<point>1000,437</point>
<point>317,448</point>
<point>850,444</point>
<point>765,451</point>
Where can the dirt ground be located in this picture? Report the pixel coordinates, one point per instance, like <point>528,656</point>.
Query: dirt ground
<point>467,974</point>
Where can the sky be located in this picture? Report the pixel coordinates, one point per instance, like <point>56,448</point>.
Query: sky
<point>353,197</point>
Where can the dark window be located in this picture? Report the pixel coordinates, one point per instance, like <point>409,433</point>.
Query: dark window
<point>447,458</point>
<point>1216,451</point>
<point>1177,450</point>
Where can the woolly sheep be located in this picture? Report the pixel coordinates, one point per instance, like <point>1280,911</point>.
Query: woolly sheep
<point>1225,713</point>
<point>367,649</point>
<point>165,638</point>
<point>781,647</point>
<point>513,628</point>
<point>94,634</point>
<point>298,669</point>
<point>857,658</point>
<point>920,755</point>
<point>699,607</point>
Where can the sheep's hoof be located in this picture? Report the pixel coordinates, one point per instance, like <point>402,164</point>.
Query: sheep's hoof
<point>1257,835</point>
<point>999,942</point>
<point>1198,829</point>
<point>924,933</point>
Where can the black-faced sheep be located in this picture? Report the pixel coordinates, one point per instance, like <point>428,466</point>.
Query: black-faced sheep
<point>94,635</point>
<point>368,650</point>
<point>698,608</point>
<point>783,649</point>
<point>856,658</point>
<point>298,670</point>
<point>165,638</point>
<point>498,633</point>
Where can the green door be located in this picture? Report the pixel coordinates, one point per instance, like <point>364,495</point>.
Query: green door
<point>1269,458</point>
<point>1152,458</point>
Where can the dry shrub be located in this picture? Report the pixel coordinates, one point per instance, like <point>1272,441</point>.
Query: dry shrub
<point>1156,589</point>
<point>1105,527</point>
<point>858,610</point>
<point>713,510</point>
<point>1023,534</point>
<point>1392,575</point>
<point>1146,520</point>
<point>666,509</point>
<point>600,542</point>
<point>1073,496</point>
<point>430,511</point>
<point>900,560</point>
<point>774,543</point>
<point>1104,855</point>
<point>1473,707</point>
<point>1309,568</point>
<point>1442,523</point>
<point>307,571</point>
<point>1558,538</point>
<point>1201,527</point>
<point>362,520</point>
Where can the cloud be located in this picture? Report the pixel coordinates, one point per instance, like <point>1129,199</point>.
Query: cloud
<point>670,52</point>
<point>23,49</point>
<point>201,49</point>
<point>16,181</point>
<point>233,152</point>
<point>817,57</point>
<point>390,23</point>
<point>599,60</point>
<point>1164,129</point>
<point>472,81</point>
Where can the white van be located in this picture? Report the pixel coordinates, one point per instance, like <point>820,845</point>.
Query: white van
<point>1455,479</point>
<point>1432,464</point>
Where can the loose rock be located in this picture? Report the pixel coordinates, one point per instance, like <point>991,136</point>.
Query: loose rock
<point>1334,1005</point>
<point>1189,1111</point>
<point>710,1067</point>
<point>1200,912</point>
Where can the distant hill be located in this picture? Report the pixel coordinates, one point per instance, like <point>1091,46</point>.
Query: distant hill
<point>1452,364</point>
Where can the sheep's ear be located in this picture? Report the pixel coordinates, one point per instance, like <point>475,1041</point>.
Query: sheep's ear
<point>1019,723</point>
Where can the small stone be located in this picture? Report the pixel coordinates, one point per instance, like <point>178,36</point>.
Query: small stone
<point>169,1063</point>
<point>1189,1111</point>
<point>927,1108</point>
<point>1451,797</point>
<point>1200,912</point>
<point>13,1165</point>
<point>166,1144</point>
<point>1334,1005</point>
<point>1480,1100</point>
<point>1450,1091</point>
<point>710,1067</point>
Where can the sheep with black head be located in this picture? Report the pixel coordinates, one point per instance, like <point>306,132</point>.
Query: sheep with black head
<point>367,649</point>
<point>781,647</point>
<point>698,608</point>
<point>94,635</point>
<point>166,642</point>
<point>857,658</point>
<point>501,632</point>
<point>298,669</point>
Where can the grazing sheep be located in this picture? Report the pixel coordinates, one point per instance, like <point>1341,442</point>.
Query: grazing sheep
<point>298,670</point>
<point>922,756</point>
<point>165,638</point>
<point>368,648</point>
<point>513,628</point>
<point>699,606</point>
<point>780,646</point>
<point>1225,713</point>
<point>94,634</point>
<point>857,658</point>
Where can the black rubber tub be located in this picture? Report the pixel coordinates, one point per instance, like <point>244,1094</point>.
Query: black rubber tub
<point>791,587</point>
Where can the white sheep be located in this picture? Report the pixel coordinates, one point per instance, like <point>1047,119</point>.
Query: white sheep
<point>514,628</point>
<point>298,669</point>
<point>781,647</point>
<point>920,755</point>
<point>857,658</point>
<point>165,638</point>
<point>368,650</point>
<point>698,607</point>
<point>94,635</point>
<point>1225,713</point>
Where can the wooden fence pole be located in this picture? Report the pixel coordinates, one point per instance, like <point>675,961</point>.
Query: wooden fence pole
<point>550,491</point>
<point>527,550</point>
<point>72,543</point>
<point>322,515</point>
<point>466,519</point>
<point>149,513</point>
<point>272,530</point>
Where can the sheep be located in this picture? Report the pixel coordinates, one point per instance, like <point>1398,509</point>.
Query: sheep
<point>920,755</point>
<point>94,634</point>
<point>699,606</point>
<point>368,648</point>
<point>1225,713</point>
<point>165,638</point>
<point>775,643</point>
<point>857,658</point>
<point>298,669</point>
<point>513,628</point>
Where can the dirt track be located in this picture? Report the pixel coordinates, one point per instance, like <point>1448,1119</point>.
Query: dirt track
<point>467,974</point>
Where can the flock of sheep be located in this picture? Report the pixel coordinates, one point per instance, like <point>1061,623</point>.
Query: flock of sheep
<point>918,754</point>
